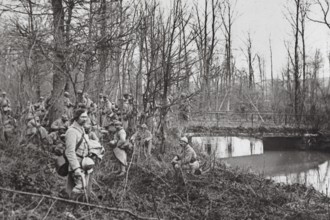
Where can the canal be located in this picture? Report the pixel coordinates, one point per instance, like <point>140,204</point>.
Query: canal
<point>277,158</point>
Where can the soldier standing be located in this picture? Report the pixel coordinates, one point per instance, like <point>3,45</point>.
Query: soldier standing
<point>143,139</point>
<point>120,145</point>
<point>68,105</point>
<point>76,151</point>
<point>80,100</point>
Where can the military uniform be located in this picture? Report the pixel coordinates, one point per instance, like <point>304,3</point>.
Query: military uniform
<point>9,124</point>
<point>187,159</point>
<point>106,110</point>
<point>4,101</point>
<point>68,105</point>
<point>120,144</point>
<point>35,132</point>
<point>143,138</point>
<point>73,136</point>
<point>59,128</point>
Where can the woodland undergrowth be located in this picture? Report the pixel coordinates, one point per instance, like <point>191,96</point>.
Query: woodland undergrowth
<point>150,190</point>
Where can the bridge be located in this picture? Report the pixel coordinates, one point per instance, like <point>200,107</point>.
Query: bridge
<point>252,124</point>
<point>254,119</point>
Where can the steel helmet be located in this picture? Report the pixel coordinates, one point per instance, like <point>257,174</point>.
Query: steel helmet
<point>117,123</point>
<point>6,109</point>
<point>87,163</point>
<point>184,139</point>
<point>144,126</point>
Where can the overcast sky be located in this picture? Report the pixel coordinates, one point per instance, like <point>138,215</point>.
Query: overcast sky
<point>265,19</point>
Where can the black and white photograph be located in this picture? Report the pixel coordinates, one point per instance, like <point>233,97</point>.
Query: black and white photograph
<point>165,109</point>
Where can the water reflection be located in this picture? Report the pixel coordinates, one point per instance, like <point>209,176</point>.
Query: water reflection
<point>225,147</point>
<point>287,166</point>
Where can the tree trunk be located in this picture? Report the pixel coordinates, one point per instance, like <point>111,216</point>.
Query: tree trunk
<point>104,52</point>
<point>296,63</point>
<point>59,77</point>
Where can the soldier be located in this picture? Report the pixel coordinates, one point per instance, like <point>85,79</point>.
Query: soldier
<point>41,109</point>
<point>187,159</point>
<point>77,153</point>
<point>68,105</point>
<point>80,98</point>
<point>35,132</point>
<point>4,101</point>
<point>92,113</point>
<point>39,112</point>
<point>121,146</point>
<point>9,124</point>
<point>100,100</point>
<point>41,103</point>
<point>88,100</point>
<point>126,109</point>
<point>143,138</point>
<point>89,130</point>
<point>61,124</point>
<point>106,110</point>
<point>57,136</point>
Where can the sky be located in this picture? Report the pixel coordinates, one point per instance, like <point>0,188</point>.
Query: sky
<point>264,20</point>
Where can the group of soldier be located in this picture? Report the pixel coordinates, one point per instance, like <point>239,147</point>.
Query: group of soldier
<point>82,129</point>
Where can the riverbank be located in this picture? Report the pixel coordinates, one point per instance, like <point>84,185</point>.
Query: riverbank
<point>151,190</point>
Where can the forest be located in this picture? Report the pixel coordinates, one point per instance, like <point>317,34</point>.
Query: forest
<point>165,54</point>
<point>155,53</point>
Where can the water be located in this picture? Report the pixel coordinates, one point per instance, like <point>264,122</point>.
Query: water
<point>284,164</point>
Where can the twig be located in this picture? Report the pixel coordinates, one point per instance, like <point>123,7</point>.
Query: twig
<point>50,208</point>
<point>155,206</point>
<point>38,204</point>
<point>78,203</point>
<point>126,179</point>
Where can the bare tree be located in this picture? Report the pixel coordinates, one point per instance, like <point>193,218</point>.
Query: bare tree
<point>227,13</point>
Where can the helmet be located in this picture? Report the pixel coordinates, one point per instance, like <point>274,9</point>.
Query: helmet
<point>144,126</point>
<point>6,109</point>
<point>66,93</point>
<point>79,91</point>
<point>117,123</point>
<point>87,163</point>
<point>65,117</point>
<point>184,139</point>
<point>4,93</point>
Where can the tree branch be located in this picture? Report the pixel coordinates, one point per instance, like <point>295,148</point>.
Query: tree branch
<point>112,209</point>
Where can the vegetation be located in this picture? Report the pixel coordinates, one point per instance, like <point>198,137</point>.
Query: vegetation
<point>151,191</point>
<point>156,53</point>
<point>163,57</point>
